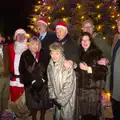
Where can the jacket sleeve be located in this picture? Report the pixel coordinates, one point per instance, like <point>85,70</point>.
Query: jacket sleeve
<point>50,86</point>
<point>99,72</point>
<point>103,46</point>
<point>69,86</point>
<point>25,76</point>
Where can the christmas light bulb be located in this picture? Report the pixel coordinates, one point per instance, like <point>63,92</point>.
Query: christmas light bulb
<point>62,8</point>
<point>49,17</point>
<point>98,6</point>
<point>35,10</point>
<point>113,27</point>
<point>34,19</point>
<point>82,17</point>
<point>38,2</point>
<point>48,7</point>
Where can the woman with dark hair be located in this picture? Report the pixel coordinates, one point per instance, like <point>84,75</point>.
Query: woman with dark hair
<point>32,75</point>
<point>89,83</point>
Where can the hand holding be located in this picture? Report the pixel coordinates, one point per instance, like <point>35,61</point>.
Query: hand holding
<point>83,66</point>
<point>68,63</point>
<point>103,61</point>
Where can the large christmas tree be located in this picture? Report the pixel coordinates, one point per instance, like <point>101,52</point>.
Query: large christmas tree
<point>73,12</point>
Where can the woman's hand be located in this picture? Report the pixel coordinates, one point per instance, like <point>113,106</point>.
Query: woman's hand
<point>103,61</point>
<point>83,66</point>
<point>68,63</point>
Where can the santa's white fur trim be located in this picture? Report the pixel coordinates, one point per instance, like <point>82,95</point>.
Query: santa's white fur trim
<point>60,26</point>
<point>16,83</point>
<point>20,31</point>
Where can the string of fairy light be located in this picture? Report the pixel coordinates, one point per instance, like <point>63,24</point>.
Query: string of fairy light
<point>46,9</point>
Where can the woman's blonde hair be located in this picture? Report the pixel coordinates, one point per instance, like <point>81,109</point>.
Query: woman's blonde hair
<point>34,39</point>
<point>56,47</point>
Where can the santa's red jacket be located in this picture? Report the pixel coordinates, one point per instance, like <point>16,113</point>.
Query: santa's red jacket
<point>16,88</point>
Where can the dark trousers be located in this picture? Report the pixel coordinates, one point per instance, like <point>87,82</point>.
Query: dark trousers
<point>90,117</point>
<point>116,109</point>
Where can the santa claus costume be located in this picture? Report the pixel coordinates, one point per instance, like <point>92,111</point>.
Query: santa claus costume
<point>15,51</point>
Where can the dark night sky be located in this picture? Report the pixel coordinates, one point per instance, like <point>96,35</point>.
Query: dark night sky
<point>14,14</point>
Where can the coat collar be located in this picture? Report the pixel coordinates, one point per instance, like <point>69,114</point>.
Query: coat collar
<point>61,62</point>
<point>64,39</point>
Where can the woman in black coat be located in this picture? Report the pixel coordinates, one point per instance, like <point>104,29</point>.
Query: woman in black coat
<point>89,83</point>
<point>32,75</point>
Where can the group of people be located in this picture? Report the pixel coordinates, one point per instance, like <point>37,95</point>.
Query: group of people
<point>54,71</point>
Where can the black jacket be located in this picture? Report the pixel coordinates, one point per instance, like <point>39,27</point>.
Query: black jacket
<point>46,42</point>
<point>31,70</point>
<point>99,72</point>
<point>71,50</point>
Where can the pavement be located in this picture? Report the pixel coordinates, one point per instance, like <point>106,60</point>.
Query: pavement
<point>23,113</point>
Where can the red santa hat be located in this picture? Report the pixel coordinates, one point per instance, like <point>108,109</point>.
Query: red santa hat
<point>43,20</point>
<point>61,24</point>
<point>19,31</point>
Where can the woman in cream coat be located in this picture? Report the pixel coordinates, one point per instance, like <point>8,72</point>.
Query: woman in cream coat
<point>61,84</point>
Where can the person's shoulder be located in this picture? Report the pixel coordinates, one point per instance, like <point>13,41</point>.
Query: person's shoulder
<point>51,33</point>
<point>26,52</point>
<point>116,36</point>
<point>72,42</point>
<point>97,34</point>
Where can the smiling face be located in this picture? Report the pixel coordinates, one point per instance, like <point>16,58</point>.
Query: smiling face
<point>88,27</point>
<point>34,46</point>
<point>56,55</point>
<point>61,33</point>
<point>85,42</point>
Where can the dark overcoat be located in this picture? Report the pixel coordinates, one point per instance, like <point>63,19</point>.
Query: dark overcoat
<point>31,69</point>
<point>70,47</point>
<point>89,85</point>
<point>45,52</point>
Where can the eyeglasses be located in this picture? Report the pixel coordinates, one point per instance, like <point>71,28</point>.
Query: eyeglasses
<point>88,27</point>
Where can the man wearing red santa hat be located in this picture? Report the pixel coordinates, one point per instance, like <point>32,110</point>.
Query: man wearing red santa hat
<point>69,45</point>
<point>15,51</point>
<point>46,37</point>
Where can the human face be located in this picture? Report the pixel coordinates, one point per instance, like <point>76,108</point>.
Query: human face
<point>20,37</point>
<point>42,28</point>
<point>34,46</point>
<point>87,27</point>
<point>56,55</point>
<point>85,42</point>
<point>61,33</point>
<point>118,26</point>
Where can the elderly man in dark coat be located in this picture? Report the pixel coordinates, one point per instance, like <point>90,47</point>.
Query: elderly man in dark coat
<point>68,44</point>
<point>46,37</point>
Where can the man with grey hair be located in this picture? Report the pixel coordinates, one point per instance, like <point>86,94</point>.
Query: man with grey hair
<point>69,45</point>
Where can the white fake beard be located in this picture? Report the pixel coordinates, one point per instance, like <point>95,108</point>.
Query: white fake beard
<point>20,47</point>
